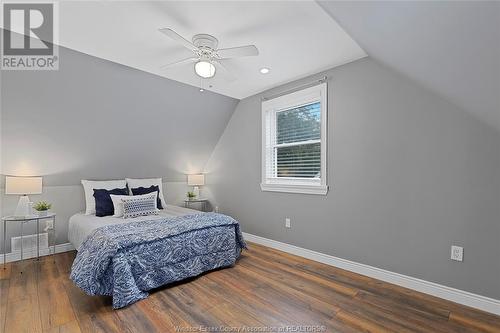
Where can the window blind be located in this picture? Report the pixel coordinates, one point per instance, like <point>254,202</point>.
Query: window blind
<point>297,148</point>
<point>299,124</point>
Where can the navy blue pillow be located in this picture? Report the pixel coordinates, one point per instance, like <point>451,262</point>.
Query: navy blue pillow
<point>146,190</point>
<point>103,202</point>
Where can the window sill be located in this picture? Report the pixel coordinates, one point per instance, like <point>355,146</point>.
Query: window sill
<point>302,189</point>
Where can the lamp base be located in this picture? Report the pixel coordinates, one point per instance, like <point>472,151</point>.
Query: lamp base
<point>196,191</point>
<point>23,207</point>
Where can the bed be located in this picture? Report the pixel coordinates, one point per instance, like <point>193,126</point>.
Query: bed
<point>124,258</point>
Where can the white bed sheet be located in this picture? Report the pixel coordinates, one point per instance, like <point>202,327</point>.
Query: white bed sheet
<point>81,225</point>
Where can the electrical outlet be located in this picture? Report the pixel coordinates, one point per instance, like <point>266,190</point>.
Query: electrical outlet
<point>457,253</point>
<point>216,209</point>
<point>287,223</point>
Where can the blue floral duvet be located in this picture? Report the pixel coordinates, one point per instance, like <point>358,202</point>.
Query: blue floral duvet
<point>126,260</point>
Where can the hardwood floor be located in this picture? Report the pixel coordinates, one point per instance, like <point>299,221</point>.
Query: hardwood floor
<point>265,288</point>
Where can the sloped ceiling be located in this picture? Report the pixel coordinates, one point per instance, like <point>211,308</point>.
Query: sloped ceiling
<point>451,47</point>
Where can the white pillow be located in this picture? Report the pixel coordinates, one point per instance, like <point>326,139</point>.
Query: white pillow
<point>146,182</point>
<point>140,205</point>
<point>90,185</point>
<point>118,204</point>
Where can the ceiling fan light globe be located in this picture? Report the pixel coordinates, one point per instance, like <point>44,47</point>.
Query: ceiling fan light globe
<point>204,69</point>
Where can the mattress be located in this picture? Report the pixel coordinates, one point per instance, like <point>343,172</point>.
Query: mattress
<point>81,225</point>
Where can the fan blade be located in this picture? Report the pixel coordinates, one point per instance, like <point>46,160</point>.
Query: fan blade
<point>225,71</point>
<point>175,36</point>
<point>236,52</point>
<point>180,62</point>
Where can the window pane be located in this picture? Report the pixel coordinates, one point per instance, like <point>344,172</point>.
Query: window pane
<point>299,124</point>
<point>302,161</point>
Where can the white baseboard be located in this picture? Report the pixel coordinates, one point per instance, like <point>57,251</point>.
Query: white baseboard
<point>31,253</point>
<point>455,295</point>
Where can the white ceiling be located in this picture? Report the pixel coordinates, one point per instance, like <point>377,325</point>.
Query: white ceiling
<point>295,38</point>
<point>451,47</point>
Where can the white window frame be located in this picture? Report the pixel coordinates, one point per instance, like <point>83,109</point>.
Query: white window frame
<point>270,108</point>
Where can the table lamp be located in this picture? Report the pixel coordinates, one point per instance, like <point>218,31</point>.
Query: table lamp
<point>196,180</point>
<point>23,186</point>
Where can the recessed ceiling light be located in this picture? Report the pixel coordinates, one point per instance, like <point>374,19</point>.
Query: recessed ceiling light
<point>264,70</point>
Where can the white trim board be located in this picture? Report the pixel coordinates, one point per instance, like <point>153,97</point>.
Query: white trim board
<point>451,294</point>
<point>31,253</point>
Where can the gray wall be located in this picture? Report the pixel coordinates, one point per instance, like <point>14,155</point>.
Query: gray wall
<point>410,174</point>
<point>95,119</point>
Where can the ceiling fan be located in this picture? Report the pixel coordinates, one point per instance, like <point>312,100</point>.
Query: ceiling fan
<point>207,57</point>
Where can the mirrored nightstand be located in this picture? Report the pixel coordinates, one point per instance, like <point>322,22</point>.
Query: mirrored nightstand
<point>23,220</point>
<point>204,203</point>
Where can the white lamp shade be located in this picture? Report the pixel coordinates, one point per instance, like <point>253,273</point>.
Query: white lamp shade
<point>196,180</point>
<point>23,185</point>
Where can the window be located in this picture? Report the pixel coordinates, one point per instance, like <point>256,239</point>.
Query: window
<point>294,142</point>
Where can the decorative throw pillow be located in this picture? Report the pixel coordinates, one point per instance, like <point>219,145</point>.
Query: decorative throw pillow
<point>103,202</point>
<point>118,204</point>
<point>143,190</point>
<point>90,185</point>
<point>140,205</point>
<point>147,182</point>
